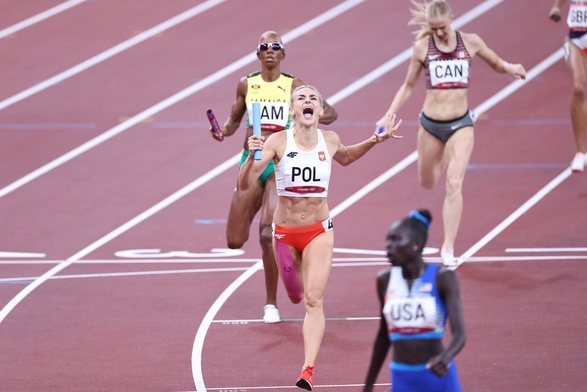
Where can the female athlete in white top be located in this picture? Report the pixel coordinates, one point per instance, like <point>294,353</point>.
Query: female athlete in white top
<point>302,211</point>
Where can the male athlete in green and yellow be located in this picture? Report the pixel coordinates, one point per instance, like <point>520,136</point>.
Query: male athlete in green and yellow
<point>272,88</point>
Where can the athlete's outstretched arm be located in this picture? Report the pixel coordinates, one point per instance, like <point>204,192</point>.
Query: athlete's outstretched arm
<point>406,89</point>
<point>493,60</point>
<point>347,155</point>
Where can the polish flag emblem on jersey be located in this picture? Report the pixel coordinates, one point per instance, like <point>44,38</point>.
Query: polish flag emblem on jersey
<point>322,156</point>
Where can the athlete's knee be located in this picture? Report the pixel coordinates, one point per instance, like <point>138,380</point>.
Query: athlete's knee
<point>454,185</point>
<point>234,244</point>
<point>266,237</point>
<point>235,241</point>
<point>313,299</point>
<point>579,92</point>
<point>427,183</point>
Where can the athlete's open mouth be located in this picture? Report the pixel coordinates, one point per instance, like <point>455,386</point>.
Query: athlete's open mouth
<point>308,111</point>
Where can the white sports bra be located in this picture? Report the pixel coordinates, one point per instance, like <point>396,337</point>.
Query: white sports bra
<point>303,173</point>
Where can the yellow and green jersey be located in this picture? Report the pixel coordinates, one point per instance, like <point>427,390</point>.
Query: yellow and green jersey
<point>274,98</point>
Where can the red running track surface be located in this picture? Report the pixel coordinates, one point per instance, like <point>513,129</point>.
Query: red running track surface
<point>113,199</point>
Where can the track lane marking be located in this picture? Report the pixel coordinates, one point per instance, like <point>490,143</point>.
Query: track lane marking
<point>105,55</point>
<point>138,118</point>
<point>39,17</point>
<point>64,267</point>
<point>293,34</point>
<point>175,98</point>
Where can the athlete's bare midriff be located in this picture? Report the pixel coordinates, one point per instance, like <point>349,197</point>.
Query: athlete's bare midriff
<point>445,105</point>
<point>301,211</point>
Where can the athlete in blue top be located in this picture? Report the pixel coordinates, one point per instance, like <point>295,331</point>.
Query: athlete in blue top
<point>416,300</point>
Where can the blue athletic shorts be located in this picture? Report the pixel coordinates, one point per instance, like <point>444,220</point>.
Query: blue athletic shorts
<point>416,378</point>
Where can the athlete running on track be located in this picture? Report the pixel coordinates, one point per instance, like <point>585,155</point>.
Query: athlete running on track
<point>303,230</point>
<point>445,136</point>
<point>576,57</point>
<point>272,88</point>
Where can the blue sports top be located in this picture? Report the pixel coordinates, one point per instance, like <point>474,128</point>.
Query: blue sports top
<point>414,314</point>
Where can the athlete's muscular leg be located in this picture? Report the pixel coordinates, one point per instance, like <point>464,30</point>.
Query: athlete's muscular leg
<point>266,240</point>
<point>431,162</point>
<point>316,266</point>
<point>458,152</point>
<point>576,63</point>
<point>243,208</point>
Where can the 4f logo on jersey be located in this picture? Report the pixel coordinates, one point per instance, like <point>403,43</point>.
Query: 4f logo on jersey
<point>307,174</point>
<point>322,156</point>
<point>292,154</point>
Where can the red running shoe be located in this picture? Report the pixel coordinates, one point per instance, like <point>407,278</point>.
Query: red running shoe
<point>305,381</point>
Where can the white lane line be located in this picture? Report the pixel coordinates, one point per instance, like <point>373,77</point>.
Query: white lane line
<point>127,274</point>
<point>514,216</point>
<point>39,17</point>
<point>229,292</point>
<point>406,54</point>
<point>537,70</point>
<point>248,321</point>
<point>299,31</point>
<point>58,268</point>
<point>545,250</point>
<point>172,100</point>
<point>137,39</point>
<point>25,255</point>
<point>207,321</point>
<point>355,262</point>
<point>389,65</point>
<point>281,388</point>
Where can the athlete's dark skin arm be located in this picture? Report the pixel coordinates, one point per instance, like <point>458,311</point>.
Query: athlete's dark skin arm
<point>239,109</point>
<point>448,289</point>
<point>382,342</point>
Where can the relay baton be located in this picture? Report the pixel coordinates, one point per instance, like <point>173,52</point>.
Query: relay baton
<point>214,123</point>
<point>380,130</point>
<point>257,126</point>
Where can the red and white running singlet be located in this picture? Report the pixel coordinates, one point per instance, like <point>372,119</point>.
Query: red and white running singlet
<point>303,173</point>
<point>447,70</point>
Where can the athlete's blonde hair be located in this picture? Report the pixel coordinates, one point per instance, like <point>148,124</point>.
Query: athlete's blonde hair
<point>293,94</point>
<point>268,33</point>
<point>422,12</point>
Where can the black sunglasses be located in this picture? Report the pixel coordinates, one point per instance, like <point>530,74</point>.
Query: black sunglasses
<point>274,46</point>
